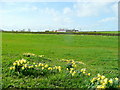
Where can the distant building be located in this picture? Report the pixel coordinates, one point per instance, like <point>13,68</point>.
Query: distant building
<point>63,30</point>
<point>60,30</point>
<point>72,30</point>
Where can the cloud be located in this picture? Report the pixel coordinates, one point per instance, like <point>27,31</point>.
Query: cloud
<point>34,8</point>
<point>18,9</point>
<point>108,19</point>
<point>57,16</point>
<point>87,9</point>
<point>76,16</point>
<point>49,11</point>
<point>114,8</point>
<point>67,10</point>
<point>62,20</point>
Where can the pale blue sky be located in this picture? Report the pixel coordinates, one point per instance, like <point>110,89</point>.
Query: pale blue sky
<point>40,16</point>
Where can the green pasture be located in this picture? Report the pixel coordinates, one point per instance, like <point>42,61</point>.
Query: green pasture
<point>114,32</point>
<point>99,53</point>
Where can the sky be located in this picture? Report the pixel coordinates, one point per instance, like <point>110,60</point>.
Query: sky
<point>40,16</point>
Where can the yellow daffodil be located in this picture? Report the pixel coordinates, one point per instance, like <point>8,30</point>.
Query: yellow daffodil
<point>71,69</point>
<point>25,65</point>
<point>29,66</point>
<point>46,66</point>
<point>103,84</point>
<point>42,68</point>
<point>23,68</point>
<point>54,68</point>
<point>18,63</point>
<point>21,61</point>
<point>49,68</point>
<point>100,86</point>
<point>116,79</point>
<point>101,81</point>
<point>41,55</point>
<point>105,80</point>
<point>10,68</point>
<point>102,77</point>
<point>36,65</point>
<point>93,79</point>
<point>14,63</point>
<point>59,69</point>
<point>13,67</point>
<point>59,66</point>
<point>73,74</point>
<point>110,81</point>
<point>24,61</point>
<point>42,64</point>
<point>83,72</point>
<point>74,65</point>
<point>98,79</point>
<point>39,64</point>
<point>98,75</point>
<point>81,62</point>
<point>88,74</point>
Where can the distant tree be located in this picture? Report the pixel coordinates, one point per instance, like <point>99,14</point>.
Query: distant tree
<point>23,30</point>
<point>47,31</point>
<point>29,30</point>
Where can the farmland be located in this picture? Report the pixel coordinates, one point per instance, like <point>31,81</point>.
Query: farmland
<point>98,54</point>
<point>110,32</point>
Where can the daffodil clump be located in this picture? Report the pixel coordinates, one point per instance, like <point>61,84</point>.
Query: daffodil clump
<point>31,54</point>
<point>45,68</point>
<point>75,72</point>
<point>100,81</point>
<point>72,71</point>
<point>24,67</point>
<point>71,64</point>
<point>19,64</point>
<point>40,55</point>
<point>72,61</point>
<point>28,54</point>
<point>84,71</point>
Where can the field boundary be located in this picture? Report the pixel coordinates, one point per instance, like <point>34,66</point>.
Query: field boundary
<point>72,33</point>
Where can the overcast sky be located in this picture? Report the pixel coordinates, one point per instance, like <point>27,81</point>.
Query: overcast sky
<point>54,15</point>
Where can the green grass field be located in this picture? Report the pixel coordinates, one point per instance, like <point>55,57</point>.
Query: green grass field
<point>110,32</point>
<point>99,53</point>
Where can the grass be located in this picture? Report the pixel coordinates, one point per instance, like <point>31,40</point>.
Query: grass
<point>99,53</point>
<point>110,32</point>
